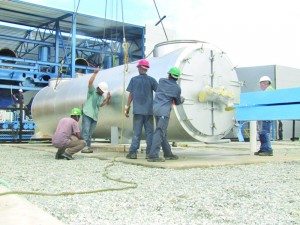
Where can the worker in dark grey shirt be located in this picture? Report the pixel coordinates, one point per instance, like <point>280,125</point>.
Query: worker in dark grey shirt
<point>140,90</point>
<point>168,91</point>
<point>19,99</point>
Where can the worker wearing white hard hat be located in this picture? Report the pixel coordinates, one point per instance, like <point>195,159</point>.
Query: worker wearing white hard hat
<point>103,87</point>
<point>265,83</point>
<point>265,126</point>
<point>96,98</point>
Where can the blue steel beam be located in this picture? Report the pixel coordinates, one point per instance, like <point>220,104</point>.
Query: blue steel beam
<point>16,87</point>
<point>28,78</point>
<point>39,34</point>
<point>56,19</point>
<point>283,104</point>
<point>44,43</point>
<point>73,49</point>
<point>56,55</point>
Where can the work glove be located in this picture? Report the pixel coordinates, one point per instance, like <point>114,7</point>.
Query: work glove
<point>182,99</point>
<point>127,109</point>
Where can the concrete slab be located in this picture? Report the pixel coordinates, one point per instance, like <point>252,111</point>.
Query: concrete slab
<point>197,155</point>
<point>191,155</point>
<point>17,210</point>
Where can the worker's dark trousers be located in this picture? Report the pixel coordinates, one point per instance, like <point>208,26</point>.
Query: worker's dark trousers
<point>88,127</point>
<point>160,138</point>
<point>140,121</point>
<point>264,137</point>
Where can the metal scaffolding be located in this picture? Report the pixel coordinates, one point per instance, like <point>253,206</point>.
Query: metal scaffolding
<point>39,43</point>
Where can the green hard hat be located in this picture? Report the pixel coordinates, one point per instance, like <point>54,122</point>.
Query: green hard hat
<point>174,72</point>
<point>75,112</point>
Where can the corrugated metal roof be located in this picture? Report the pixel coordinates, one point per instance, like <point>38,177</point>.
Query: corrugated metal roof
<point>28,14</point>
<point>23,17</point>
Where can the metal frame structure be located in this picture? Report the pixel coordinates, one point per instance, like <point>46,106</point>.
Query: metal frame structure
<point>39,43</point>
<point>15,126</point>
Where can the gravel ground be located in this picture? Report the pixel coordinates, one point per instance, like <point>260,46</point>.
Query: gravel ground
<point>248,194</point>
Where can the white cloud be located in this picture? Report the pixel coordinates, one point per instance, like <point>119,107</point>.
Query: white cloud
<point>252,33</point>
<point>256,32</point>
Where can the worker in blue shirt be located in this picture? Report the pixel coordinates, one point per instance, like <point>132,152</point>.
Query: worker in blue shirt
<point>140,90</point>
<point>167,93</point>
<point>265,126</point>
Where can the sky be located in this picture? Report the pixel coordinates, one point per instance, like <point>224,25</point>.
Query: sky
<point>252,33</point>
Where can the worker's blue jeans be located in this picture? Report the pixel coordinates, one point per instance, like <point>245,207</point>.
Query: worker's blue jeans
<point>160,138</point>
<point>88,127</point>
<point>264,137</point>
<point>140,121</point>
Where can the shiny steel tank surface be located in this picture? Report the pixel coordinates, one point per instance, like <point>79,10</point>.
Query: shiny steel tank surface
<point>207,74</point>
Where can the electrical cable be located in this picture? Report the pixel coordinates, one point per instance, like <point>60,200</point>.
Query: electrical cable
<point>11,94</point>
<point>66,54</point>
<point>125,70</point>
<point>105,174</point>
<point>103,36</point>
<point>5,183</point>
<point>160,20</point>
<point>125,55</point>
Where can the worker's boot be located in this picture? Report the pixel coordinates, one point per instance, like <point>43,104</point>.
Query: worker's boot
<point>59,153</point>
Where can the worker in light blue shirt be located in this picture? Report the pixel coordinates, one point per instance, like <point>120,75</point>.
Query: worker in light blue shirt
<point>167,93</point>
<point>141,90</point>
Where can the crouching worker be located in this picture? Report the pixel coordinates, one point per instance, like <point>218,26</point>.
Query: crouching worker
<point>67,137</point>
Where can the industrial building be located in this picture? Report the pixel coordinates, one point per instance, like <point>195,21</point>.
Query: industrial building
<point>39,43</point>
<point>51,53</point>
<point>42,48</point>
<point>42,53</point>
<point>282,77</point>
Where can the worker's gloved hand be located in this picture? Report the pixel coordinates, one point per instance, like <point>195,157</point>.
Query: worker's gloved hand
<point>97,69</point>
<point>108,96</point>
<point>182,99</point>
<point>127,109</point>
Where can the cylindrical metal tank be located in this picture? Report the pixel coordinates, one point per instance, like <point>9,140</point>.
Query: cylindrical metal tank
<point>9,53</point>
<point>208,82</point>
<point>78,62</point>
<point>44,53</point>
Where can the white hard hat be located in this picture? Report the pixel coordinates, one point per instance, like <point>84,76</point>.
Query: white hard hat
<point>20,90</point>
<point>265,78</point>
<point>103,86</point>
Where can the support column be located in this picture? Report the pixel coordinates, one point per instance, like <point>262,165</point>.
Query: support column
<point>253,135</point>
<point>115,136</point>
